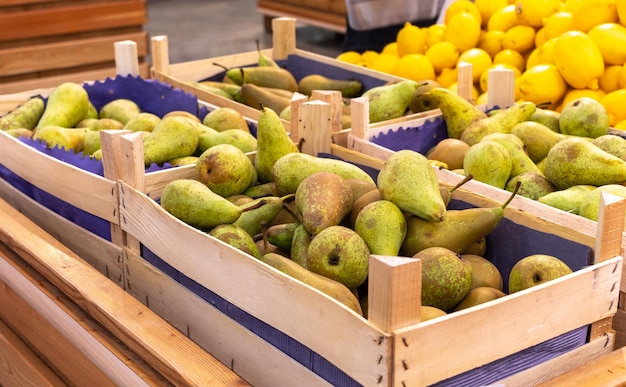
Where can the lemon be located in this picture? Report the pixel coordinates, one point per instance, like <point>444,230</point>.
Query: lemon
<point>447,76</point>
<point>442,55</point>
<point>541,84</point>
<point>557,23</point>
<point>350,57</point>
<point>385,62</point>
<point>463,30</point>
<point>479,59</point>
<point>411,39</point>
<point>510,57</point>
<point>520,38</point>
<point>545,52</point>
<point>621,79</point>
<point>491,41</point>
<point>390,48</point>
<point>589,13</point>
<point>503,19</point>
<point>532,12</point>
<point>459,6</point>
<point>488,7</point>
<point>532,59</point>
<point>484,77</point>
<point>434,34</point>
<point>482,99</point>
<point>540,37</point>
<point>369,56</point>
<point>578,59</point>
<point>454,87</point>
<point>611,40</point>
<point>573,94</point>
<point>614,103</point>
<point>609,81</point>
<point>620,125</point>
<point>621,11</point>
<point>416,67</point>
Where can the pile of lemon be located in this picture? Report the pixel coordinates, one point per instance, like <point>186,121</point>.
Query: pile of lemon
<point>558,50</point>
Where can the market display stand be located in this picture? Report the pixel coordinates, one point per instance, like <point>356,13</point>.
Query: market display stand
<point>46,42</point>
<point>328,14</point>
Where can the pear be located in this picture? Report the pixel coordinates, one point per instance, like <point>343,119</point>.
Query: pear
<point>360,187</point>
<point>409,181</point>
<point>456,232</point>
<point>264,60</point>
<point>226,170</point>
<point>224,118</point>
<point>213,90</point>
<point>20,133</point>
<point>590,204</point>
<point>267,76</point>
<point>382,226</point>
<point>252,221</point>
<point>120,109</point>
<point>484,272</point>
<point>520,162</point>
<point>260,190</point>
<point>390,101</point>
<point>91,142</point>
<point>339,253</point>
<point>323,199</point>
<point>300,241</point>
<point>194,203</point>
<point>537,138</point>
<point>67,105</point>
<point>361,202</point>
<point>70,139</point>
<point>422,100</point>
<point>281,235</point>
<point>348,87</point>
<point>239,138</point>
<point>256,96</point>
<point>613,144</point>
<point>446,277</point>
<point>144,122</point>
<point>547,117</point>
<point>85,123</point>
<point>477,248</point>
<point>450,151</point>
<point>236,237</point>
<point>289,171</point>
<point>25,116</point>
<point>478,296</point>
<point>273,142</point>
<point>489,162</point>
<point>584,117</point>
<point>430,312</point>
<point>534,270</point>
<point>501,122</point>
<point>184,160</point>
<point>533,185</point>
<point>92,112</point>
<point>324,284</point>
<point>447,191</point>
<point>229,88</point>
<point>457,112</point>
<point>172,137</point>
<point>576,161</point>
<point>105,124</point>
<point>568,200</point>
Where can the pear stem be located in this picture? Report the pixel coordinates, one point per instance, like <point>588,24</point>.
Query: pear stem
<point>221,65</point>
<point>288,197</point>
<point>514,192</point>
<point>258,45</point>
<point>460,183</point>
<point>264,234</point>
<point>293,214</point>
<point>254,206</point>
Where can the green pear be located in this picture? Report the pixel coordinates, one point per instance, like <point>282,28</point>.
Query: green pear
<point>183,113</point>
<point>478,296</point>
<point>226,170</point>
<point>576,161</point>
<point>584,117</point>
<point>224,118</point>
<point>172,137</point>
<point>236,237</point>
<point>390,101</point>
<point>264,60</point>
<point>590,204</point>
<point>430,312</point>
<point>537,138</point>
<point>477,248</point>
<point>360,187</point>
<point>267,76</point>
<point>253,221</point>
<point>422,100</point>
<point>273,142</point>
<point>67,105</point>
<point>70,139</point>
<point>409,181</point>
<point>348,87</point>
<point>382,226</point>
<point>447,191</point>
<point>457,231</point>
<point>339,253</point>
<point>290,169</point>
<point>613,144</point>
<point>501,122</point>
<point>450,151</point>
<point>142,122</point>
<point>547,117</point>
<point>534,270</point>
<point>457,112</point>
<point>194,203</point>
<point>226,90</point>
<point>85,123</point>
<point>488,162</point>
<point>300,241</point>
<point>324,284</point>
<point>446,277</point>
<point>281,235</point>
<point>361,202</point>
<point>25,116</point>
<point>105,124</point>
<point>323,199</point>
<point>520,162</point>
<point>120,109</point>
<point>263,189</point>
<point>184,160</point>
<point>533,185</point>
<point>91,142</point>
<point>20,132</point>
<point>257,96</point>
<point>241,139</point>
<point>568,200</point>
<point>484,272</point>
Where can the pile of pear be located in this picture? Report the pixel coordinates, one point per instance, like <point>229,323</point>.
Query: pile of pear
<point>563,159</point>
<point>70,121</point>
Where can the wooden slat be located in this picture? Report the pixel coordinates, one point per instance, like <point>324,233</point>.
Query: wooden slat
<point>66,54</point>
<point>71,19</point>
<point>329,20</point>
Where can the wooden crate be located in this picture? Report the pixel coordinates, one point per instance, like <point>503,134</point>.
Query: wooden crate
<point>329,14</point>
<point>43,43</point>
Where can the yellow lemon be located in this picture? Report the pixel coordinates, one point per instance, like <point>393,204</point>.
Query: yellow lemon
<point>488,7</point>
<point>459,6</point>
<point>416,67</point>
<point>614,103</point>
<point>350,57</point>
<point>434,34</point>
<point>532,59</point>
<point>385,62</point>
<point>442,55</point>
<point>541,84</point>
<point>620,125</point>
<point>447,77</point>
<point>479,59</point>
<point>503,19</point>
<point>520,38</point>
<point>611,40</point>
<point>609,80</point>
<point>463,30</point>
<point>411,39</point>
<point>621,11</point>
<point>454,87</point>
<point>540,37</point>
<point>482,99</point>
<point>545,52</point>
<point>390,48</point>
<point>578,59</point>
<point>573,94</point>
<point>510,57</point>
<point>491,41</point>
<point>532,12</point>
<point>369,56</point>
<point>484,77</point>
<point>557,23</point>
<point>622,77</point>
<point>589,13</point>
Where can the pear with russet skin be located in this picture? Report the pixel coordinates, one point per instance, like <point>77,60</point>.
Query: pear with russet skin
<point>236,237</point>
<point>252,221</point>
<point>489,162</point>
<point>226,170</point>
<point>613,144</point>
<point>300,241</point>
<point>533,185</point>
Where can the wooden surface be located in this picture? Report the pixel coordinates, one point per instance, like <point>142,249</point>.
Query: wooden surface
<point>607,370</point>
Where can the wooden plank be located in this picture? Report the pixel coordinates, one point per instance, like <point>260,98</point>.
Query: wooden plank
<point>328,20</point>
<point>20,365</point>
<point>66,54</point>
<point>71,19</point>
<point>163,347</point>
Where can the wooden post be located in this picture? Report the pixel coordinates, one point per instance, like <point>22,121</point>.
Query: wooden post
<point>314,127</point>
<point>465,81</point>
<point>126,58</point>
<point>360,117</point>
<point>283,37</point>
<point>296,101</point>
<point>334,98</point>
<point>501,92</point>
<point>160,54</point>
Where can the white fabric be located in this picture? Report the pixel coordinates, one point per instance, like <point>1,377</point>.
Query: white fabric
<point>371,14</point>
